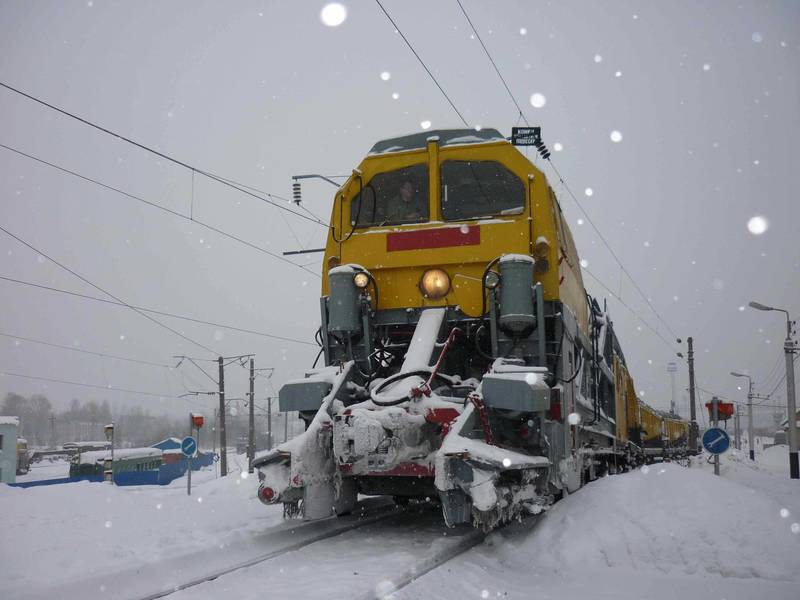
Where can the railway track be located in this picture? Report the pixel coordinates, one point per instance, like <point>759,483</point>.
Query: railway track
<point>370,562</point>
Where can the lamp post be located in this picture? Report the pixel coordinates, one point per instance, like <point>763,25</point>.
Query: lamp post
<point>789,350</point>
<point>750,445</point>
<point>109,429</point>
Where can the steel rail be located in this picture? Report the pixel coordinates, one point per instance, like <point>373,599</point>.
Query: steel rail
<point>383,514</point>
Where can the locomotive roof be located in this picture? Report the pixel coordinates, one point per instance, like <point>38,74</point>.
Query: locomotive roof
<point>446,137</point>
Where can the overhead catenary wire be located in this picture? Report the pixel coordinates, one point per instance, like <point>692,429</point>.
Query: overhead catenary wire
<point>175,213</point>
<point>561,179</point>
<point>422,62</point>
<point>491,60</point>
<point>107,293</point>
<point>90,385</point>
<point>157,312</point>
<point>84,351</point>
<point>146,148</point>
<point>781,380</point>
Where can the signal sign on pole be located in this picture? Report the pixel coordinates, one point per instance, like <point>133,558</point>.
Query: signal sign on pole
<point>716,440</point>
<point>189,446</point>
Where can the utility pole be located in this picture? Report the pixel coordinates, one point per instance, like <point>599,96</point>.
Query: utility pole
<point>52,431</point>
<point>693,430</point>
<point>750,444</point>
<point>251,442</point>
<point>715,415</point>
<point>737,443</point>
<point>789,350</point>
<point>285,426</point>
<point>671,369</point>
<point>750,441</point>
<point>223,439</point>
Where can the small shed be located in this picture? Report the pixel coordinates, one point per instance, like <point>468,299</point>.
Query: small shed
<point>172,443</point>
<point>8,449</point>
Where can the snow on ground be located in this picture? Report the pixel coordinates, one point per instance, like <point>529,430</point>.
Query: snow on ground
<point>77,530</point>
<point>46,470</point>
<point>660,532</point>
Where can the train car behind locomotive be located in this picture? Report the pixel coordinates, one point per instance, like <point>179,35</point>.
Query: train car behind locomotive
<point>464,361</point>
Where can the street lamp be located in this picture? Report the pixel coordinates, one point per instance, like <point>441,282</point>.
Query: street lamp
<point>788,350</point>
<point>750,444</point>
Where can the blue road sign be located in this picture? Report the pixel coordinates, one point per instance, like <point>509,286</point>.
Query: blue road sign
<point>716,440</point>
<point>189,445</point>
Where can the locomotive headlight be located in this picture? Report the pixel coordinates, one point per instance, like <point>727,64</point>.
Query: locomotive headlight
<point>435,284</point>
<point>492,280</point>
<point>361,280</point>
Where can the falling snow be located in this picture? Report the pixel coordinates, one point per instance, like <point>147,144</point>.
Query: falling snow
<point>333,14</point>
<point>757,225</point>
<point>538,100</point>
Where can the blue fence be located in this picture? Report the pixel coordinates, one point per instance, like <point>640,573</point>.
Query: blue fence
<point>164,475</point>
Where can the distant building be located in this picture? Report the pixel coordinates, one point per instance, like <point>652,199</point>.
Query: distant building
<point>8,449</point>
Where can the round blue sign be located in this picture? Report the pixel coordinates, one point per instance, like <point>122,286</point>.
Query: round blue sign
<point>189,446</point>
<point>716,440</point>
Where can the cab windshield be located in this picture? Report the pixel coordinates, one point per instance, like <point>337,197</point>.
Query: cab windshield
<point>392,198</point>
<point>476,189</point>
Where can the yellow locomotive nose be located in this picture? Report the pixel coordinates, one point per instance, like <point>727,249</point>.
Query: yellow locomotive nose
<point>435,284</point>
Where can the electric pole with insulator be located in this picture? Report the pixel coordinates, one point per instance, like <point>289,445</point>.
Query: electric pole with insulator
<point>693,429</point>
<point>223,438</point>
<point>789,350</point>
<point>750,434</point>
<point>251,432</point>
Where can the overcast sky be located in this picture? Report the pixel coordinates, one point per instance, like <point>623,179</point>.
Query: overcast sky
<point>704,95</point>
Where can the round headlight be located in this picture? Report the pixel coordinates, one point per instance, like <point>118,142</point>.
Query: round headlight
<point>361,280</point>
<point>491,280</point>
<point>435,284</point>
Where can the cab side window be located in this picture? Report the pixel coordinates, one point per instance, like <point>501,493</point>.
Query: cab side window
<point>474,189</point>
<point>392,198</point>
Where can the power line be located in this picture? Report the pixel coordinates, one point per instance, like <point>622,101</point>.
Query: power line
<point>89,385</point>
<point>773,372</point>
<point>158,206</point>
<point>424,66</point>
<point>97,287</point>
<point>782,379</point>
<point>561,179</point>
<point>73,349</point>
<point>156,312</point>
<point>621,301</point>
<point>254,189</point>
<point>489,56</point>
<point>208,174</point>
<point>610,249</point>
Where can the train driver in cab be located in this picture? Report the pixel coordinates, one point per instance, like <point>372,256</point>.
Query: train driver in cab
<point>408,206</point>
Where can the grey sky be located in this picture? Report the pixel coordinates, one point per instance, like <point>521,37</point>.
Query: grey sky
<point>258,91</point>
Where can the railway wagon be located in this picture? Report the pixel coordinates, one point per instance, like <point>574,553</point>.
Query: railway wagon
<point>464,361</point>
<point>128,460</point>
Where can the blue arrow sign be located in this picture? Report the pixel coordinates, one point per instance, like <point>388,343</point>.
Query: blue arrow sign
<point>716,440</point>
<point>189,445</point>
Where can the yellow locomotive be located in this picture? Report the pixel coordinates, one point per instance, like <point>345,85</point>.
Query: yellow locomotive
<point>464,360</point>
